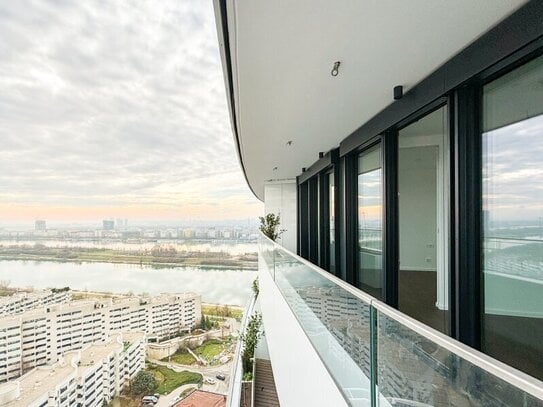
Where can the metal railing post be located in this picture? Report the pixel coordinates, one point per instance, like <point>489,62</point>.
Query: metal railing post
<point>373,356</point>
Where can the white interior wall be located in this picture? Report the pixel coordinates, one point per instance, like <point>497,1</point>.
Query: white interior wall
<point>280,198</point>
<point>423,207</point>
<point>418,206</point>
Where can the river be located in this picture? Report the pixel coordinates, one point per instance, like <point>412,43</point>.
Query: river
<point>223,286</point>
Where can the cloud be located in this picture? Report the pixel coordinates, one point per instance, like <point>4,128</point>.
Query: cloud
<point>512,172</point>
<point>114,103</point>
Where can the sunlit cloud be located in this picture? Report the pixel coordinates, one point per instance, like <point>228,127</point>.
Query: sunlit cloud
<point>115,109</point>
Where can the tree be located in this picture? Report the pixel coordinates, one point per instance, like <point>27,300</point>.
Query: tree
<point>250,339</point>
<point>269,226</point>
<point>225,311</point>
<point>143,383</point>
<point>256,288</point>
<point>206,323</point>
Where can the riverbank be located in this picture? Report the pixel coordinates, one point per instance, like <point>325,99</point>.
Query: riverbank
<point>156,257</point>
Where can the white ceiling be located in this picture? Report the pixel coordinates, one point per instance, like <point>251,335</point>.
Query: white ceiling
<point>283,51</point>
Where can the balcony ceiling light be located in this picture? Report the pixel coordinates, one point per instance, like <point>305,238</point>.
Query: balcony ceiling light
<point>335,69</point>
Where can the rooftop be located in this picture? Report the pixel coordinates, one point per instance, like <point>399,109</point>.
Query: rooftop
<point>45,379</point>
<point>201,398</point>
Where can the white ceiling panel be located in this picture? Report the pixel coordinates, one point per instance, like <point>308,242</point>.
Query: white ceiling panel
<point>283,51</point>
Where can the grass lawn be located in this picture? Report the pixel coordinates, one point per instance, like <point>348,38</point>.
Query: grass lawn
<point>210,349</point>
<point>182,356</point>
<point>169,380</point>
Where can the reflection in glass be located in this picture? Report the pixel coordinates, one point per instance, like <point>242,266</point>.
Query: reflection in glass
<point>513,218</point>
<point>332,221</point>
<point>335,321</point>
<point>370,217</point>
<point>423,184</point>
<point>411,369</point>
<point>416,371</point>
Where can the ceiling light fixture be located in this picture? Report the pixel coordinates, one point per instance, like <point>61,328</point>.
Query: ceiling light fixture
<point>398,92</point>
<point>335,69</point>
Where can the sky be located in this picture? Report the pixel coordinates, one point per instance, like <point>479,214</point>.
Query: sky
<point>115,109</point>
<point>512,155</point>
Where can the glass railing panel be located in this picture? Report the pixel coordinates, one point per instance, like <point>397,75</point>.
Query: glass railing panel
<point>400,362</point>
<point>236,373</point>
<point>335,321</point>
<point>414,370</point>
<point>267,252</point>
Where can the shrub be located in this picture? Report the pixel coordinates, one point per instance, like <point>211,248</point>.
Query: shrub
<point>143,383</point>
<point>250,339</point>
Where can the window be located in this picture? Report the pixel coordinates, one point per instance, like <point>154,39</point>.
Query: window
<point>512,219</point>
<point>303,246</point>
<point>370,222</point>
<point>313,226</point>
<point>331,222</point>
<point>423,195</point>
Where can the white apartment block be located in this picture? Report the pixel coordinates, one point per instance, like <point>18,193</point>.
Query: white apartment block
<point>24,301</point>
<point>41,336</point>
<point>87,377</point>
<point>160,317</point>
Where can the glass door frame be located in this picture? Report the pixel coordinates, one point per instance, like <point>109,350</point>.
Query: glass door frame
<point>324,216</point>
<point>351,211</point>
<point>390,212</point>
<point>446,102</point>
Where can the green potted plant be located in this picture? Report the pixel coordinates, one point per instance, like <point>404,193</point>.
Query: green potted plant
<point>269,226</point>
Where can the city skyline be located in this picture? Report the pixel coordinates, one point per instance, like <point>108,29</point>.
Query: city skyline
<point>113,111</point>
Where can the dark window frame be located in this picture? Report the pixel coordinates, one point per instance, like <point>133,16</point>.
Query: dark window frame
<point>313,219</point>
<point>459,81</point>
<point>447,102</point>
<point>353,220</point>
<point>313,230</point>
<point>324,198</point>
<point>516,60</point>
<point>303,220</point>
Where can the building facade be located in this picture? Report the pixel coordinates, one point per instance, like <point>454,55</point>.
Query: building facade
<point>400,143</point>
<point>24,301</point>
<point>87,377</point>
<point>42,336</point>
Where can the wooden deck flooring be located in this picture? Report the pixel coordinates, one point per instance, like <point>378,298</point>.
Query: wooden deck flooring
<point>265,392</point>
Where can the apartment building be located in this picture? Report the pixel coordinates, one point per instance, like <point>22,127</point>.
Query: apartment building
<point>87,377</point>
<point>401,145</point>
<point>160,317</point>
<point>41,336</point>
<point>24,301</point>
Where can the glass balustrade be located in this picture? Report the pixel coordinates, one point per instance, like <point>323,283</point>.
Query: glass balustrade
<point>378,356</point>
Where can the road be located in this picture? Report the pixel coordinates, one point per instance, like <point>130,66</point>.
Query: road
<point>207,371</point>
<point>169,399</point>
<point>220,386</point>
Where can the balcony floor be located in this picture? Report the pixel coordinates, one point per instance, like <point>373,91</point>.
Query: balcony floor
<point>265,391</point>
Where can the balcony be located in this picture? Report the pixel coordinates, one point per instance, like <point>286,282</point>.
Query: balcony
<point>332,344</point>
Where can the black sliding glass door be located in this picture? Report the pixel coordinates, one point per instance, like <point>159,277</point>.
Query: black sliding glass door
<point>423,208</point>
<point>369,275</point>
<point>512,218</point>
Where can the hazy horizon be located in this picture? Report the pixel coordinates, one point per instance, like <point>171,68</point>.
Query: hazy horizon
<point>132,223</point>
